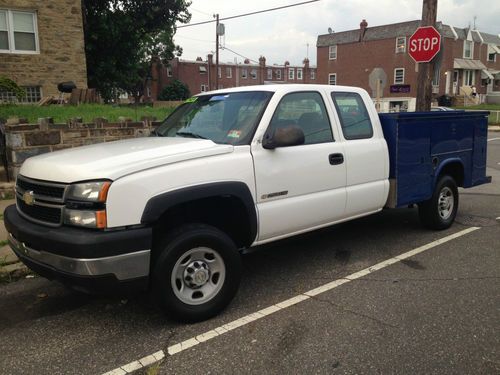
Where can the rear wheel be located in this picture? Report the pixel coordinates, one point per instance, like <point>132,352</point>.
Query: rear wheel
<point>440,211</point>
<point>197,272</point>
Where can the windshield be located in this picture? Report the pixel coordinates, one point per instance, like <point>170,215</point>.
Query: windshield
<point>223,118</point>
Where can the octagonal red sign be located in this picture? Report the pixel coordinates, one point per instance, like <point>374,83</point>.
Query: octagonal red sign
<point>424,44</point>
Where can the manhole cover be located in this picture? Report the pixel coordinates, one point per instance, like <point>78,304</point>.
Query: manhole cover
<point>476,221</point>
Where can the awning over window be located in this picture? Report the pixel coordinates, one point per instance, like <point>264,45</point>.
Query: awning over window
<point>493,49</point>
<point>468,64</point>
<point>485,74</point>
<point>203,69</point>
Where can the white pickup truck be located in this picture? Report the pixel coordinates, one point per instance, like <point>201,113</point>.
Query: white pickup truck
<point>226,171</point>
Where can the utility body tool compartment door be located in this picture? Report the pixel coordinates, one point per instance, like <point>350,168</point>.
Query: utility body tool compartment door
<point>299,187</point>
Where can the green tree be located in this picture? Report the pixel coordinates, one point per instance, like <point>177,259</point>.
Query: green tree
<point>122,35</point>
<point>175,91</point>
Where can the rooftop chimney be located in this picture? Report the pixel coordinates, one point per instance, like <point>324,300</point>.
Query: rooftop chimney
<point>362,29</point>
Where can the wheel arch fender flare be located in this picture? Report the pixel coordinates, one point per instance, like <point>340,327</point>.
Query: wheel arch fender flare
<point>446,163</point>
<point>159,204</point>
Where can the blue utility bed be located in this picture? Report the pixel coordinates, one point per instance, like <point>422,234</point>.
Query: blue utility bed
<point>423,145</point>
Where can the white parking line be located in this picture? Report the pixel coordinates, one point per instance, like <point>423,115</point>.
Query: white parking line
<point>193,341</point>
<point>493,139</point>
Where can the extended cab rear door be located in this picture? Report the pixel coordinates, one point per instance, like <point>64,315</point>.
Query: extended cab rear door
<point>299,187</point>
<point>366,155</point>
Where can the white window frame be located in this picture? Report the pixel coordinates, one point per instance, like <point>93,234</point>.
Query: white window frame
<point>278,74</point>
<point>219,71</point>
<point>269,73</point>
<point>299,74</point>
<point>10,32</point>
<point>253,73</point>
<point>291,73</point>
<point>332,52</point>
<point>230,70</point>
<point>402,81</point>
<point>203,88</point>
<point>313,74</point>
<point>472,76</point>
<point>488,56</point>
<point>400,47</point>
<point>471,49</point>
<point>244,73</point>
<point>332,79</point>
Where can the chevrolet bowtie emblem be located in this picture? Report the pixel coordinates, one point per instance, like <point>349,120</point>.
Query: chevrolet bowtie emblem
<point>29,197</point>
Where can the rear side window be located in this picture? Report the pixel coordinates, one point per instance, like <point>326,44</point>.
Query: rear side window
<point>307,111</point>
<point>353,115</point>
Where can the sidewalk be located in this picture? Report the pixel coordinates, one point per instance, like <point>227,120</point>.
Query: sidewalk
<point>10,266</point>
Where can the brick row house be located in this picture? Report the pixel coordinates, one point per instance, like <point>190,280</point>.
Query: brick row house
<point>467,61</point>
<point>41,45</point>
<point>200,75</point>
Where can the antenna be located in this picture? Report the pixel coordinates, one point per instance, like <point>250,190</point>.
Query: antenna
<point>475,17</point>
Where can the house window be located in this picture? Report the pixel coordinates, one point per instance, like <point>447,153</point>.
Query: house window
<point>203,69</point>
<point>269,74</point>
<point>332,52</point>
<point>401,44</point>
<point>278,74</point>
<point>332,79</point>
<point>435,79</point>
<point>219,72</point>
<point>253,73</point>
<point>399,76</point>
<point>33,95</point>
<point>244,73</point>
<point>18,32</point>
<point>468,77</point>
<point>291,73</point>
<point>203,88</point>
<point>169,71</point>
<point>468,49</point>
<point>491,56</point>
<point>313,74</point>
<point>229,72</point>
<point>299,73</point>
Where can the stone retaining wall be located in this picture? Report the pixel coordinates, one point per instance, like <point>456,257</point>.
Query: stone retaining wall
<point>25,140</point>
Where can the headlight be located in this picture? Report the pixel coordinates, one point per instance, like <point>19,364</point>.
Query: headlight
<point>95,191</point>
<point>85,218</point>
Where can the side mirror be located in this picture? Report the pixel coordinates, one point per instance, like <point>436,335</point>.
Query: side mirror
<point>283,137</point>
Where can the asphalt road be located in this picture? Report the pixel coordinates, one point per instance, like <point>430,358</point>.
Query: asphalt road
<point>435,312</point>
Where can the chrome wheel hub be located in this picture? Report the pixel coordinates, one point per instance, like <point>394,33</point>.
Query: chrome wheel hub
<point>446,203</point>
<point>196,274</point>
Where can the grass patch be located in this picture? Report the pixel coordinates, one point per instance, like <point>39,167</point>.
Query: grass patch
<point>88,112</point>
<point>493,118</point>
<point>3,243</point>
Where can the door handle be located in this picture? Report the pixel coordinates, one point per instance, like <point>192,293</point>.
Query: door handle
<point>336,159</point>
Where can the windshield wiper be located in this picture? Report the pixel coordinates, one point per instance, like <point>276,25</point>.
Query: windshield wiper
<point>190,134</point>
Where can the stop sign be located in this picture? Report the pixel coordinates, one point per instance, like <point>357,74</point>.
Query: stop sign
<point>425,43</point>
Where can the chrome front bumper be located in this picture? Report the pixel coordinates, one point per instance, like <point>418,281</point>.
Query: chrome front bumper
<point>124,267</point>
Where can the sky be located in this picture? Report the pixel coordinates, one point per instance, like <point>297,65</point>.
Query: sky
<point>284,35</point>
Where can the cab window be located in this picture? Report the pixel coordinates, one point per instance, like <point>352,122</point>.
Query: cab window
<point>353,115</point>
<point>307,111</point>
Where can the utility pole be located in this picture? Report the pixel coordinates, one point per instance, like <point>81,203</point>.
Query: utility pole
<point>217,51</point>
<point>426,70</point>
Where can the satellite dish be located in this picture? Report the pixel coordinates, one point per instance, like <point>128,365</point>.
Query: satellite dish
<point>330,30</point>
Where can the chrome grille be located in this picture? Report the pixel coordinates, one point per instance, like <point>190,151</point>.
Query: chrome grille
<point>48,203</point>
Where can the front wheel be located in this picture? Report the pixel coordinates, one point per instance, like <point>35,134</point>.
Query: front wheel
<point>440,211</point>
<point>197,272</point>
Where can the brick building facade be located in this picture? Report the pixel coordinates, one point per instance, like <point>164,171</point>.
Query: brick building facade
<point>41,45</point>
<point>200,75</point>
<point>467,58</point>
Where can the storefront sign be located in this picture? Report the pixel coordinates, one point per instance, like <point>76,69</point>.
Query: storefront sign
<point>399,89</point>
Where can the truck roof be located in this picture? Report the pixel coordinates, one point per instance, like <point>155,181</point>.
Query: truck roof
<point>284,88</point>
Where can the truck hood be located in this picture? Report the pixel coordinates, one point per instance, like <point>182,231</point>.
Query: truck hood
<point>116,159</point>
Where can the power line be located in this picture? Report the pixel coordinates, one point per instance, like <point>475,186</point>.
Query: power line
<point>240,55</point>
<point>248,14</point>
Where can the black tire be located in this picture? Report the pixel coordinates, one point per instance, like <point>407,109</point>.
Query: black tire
<point>436,212</point>
<point>184,250</point>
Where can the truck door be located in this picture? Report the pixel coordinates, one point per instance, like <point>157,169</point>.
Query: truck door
<point>300,187</point>
<point>366,156</point>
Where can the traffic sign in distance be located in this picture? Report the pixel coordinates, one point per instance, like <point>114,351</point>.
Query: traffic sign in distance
<point>425,44</point>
